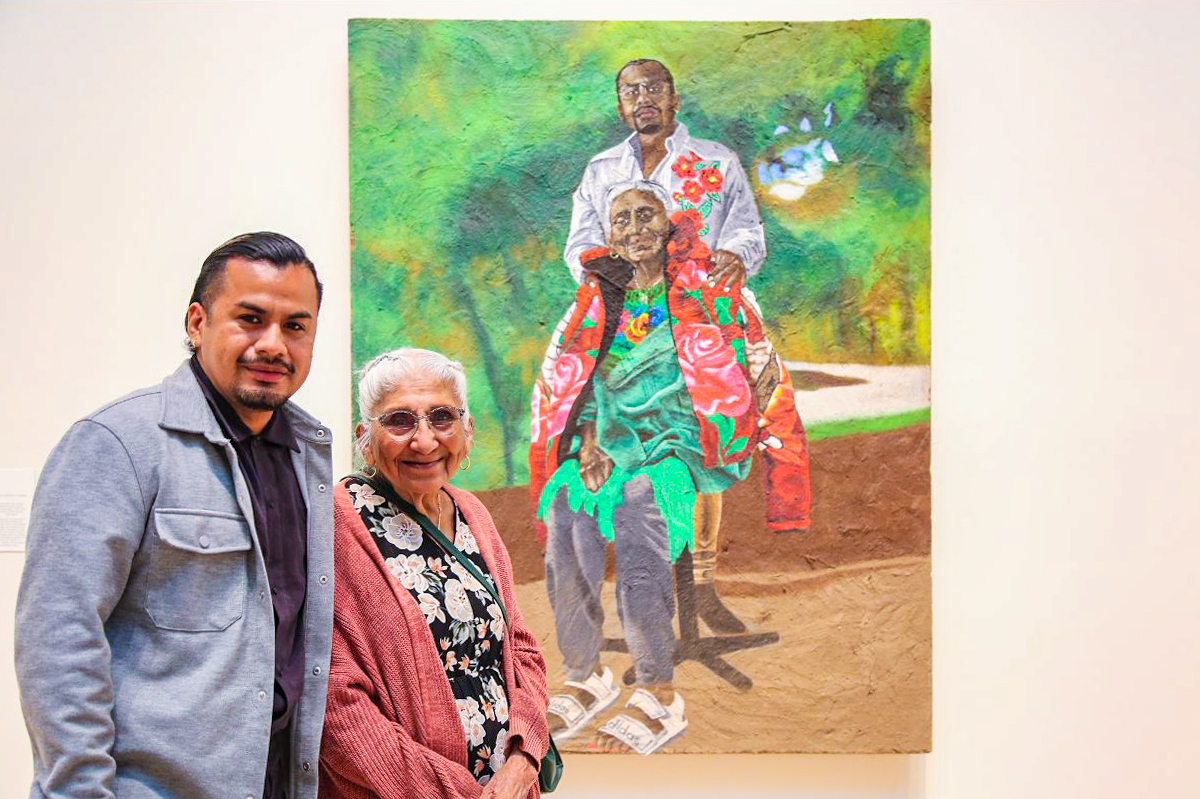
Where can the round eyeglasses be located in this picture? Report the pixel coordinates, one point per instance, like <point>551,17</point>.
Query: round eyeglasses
<point>443,421</point>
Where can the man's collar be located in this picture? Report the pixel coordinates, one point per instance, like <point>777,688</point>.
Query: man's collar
<point>675,141</point>
<point>278,430</point>
<point>678,136</point>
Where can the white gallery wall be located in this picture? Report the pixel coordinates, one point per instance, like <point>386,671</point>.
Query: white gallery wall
<point>136,136</point>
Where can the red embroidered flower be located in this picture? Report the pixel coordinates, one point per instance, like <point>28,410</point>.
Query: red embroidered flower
<point>684,166</point>
<point>693,191</point>
<point>711,179</point>
<point>715,381</point>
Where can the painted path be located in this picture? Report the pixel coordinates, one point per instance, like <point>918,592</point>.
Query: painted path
<point>864,391</point>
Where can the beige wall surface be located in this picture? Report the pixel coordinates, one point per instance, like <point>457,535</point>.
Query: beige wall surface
<point>135,136</point>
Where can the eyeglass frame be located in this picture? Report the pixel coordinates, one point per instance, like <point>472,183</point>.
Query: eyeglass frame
<point>447,433</point>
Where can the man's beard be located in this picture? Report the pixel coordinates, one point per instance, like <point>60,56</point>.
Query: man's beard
<point>651,128</point>
<point>262,399</point>
<point>259,399</point>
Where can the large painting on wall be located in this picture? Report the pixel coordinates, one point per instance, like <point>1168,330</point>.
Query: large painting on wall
<point>686,267</point>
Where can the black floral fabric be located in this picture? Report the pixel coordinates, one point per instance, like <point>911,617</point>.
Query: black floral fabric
<point>467,624</point>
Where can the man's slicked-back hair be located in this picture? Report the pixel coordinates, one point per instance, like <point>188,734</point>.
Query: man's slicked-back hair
<point>273,248</point>
<point>638,62</point>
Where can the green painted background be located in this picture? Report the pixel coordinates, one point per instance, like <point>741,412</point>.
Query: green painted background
<point>468,138</point>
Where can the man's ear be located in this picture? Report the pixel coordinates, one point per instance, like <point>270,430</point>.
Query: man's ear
<point>677,103</point>
<point>194,319</point>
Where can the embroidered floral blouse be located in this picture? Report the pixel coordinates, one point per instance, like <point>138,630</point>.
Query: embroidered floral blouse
<point>467,625</point>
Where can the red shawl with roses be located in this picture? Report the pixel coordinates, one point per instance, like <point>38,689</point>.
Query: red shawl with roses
<point>712,328</point>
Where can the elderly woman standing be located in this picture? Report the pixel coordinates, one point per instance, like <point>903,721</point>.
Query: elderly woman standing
<point>431,692</point>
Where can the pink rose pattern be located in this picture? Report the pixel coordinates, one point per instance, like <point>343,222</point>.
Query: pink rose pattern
<point>691,277</point>
<point>711,371</point>
<point>570,375</point>
<point>537,402</point>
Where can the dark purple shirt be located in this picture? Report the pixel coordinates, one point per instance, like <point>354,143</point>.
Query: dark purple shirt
<point>281,521</point>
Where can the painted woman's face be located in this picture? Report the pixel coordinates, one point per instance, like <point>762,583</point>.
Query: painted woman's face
<point>638,227</point>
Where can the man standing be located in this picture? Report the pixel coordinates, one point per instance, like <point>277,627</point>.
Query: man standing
<point>175,611</point>
<point>703,177</point>
<point>699,174</point>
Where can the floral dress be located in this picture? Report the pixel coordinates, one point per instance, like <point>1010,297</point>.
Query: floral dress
<point>466,623</point>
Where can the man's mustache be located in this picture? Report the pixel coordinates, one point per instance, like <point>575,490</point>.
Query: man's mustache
<point>268,362</point>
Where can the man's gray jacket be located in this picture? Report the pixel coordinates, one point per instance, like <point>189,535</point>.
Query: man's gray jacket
<point>145,629</point>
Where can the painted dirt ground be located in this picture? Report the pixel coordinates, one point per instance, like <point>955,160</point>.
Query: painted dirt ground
<point>850,601</point>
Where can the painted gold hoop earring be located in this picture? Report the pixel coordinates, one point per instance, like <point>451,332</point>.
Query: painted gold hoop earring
<point>466,463</point>
<point>368,471</point>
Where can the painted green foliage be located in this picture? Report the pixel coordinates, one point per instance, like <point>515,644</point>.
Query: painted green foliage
<point>467,140</point>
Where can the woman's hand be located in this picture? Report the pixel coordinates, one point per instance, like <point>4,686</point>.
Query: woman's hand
<point>594,465</point>
<point>513,779</point>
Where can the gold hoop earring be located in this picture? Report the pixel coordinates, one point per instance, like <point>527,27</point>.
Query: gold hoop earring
<point>368,471</point>
<point>466,463</point>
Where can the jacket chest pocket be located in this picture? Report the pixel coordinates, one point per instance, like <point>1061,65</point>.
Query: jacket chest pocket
<point>198,569</point>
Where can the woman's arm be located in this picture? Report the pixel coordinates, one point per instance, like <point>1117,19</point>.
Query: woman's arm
<point>362,746</point>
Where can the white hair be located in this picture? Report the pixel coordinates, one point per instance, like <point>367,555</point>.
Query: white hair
<point>384,373</point>
<point>617,189</point>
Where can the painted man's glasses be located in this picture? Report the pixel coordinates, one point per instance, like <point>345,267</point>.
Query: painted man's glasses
<point>631,90</point>
<point>443,420</point>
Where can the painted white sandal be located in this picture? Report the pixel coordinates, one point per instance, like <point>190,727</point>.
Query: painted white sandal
<point>574,715</point>
<point>636,735</point>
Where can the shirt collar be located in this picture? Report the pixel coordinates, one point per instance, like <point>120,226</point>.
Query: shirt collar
<point>675,142</point>
<point>278,430</point>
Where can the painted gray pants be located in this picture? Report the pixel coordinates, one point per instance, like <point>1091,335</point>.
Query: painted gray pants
<point>645,598</point>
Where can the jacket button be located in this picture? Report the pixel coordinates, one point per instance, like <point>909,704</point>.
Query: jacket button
<point>204,542</point>
<point>321,488</point>
<point>262,695</point>
<point>316,669</point>
<point>262,593</point>
<point>306,766</point>
<point>320,432</point>
<point>322,579</point>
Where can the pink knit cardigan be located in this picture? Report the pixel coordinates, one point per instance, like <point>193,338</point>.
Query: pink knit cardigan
<point>391,723</point>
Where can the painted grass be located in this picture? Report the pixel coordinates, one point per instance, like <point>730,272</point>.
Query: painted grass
<point>874,424</point>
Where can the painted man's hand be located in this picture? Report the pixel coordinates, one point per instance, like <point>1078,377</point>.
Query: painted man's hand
<point>728,270</point>
<point>594,465</point>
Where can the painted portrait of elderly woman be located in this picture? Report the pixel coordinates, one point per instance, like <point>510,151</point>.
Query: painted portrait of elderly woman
<point>650,398</point>
<point>686,267</point>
